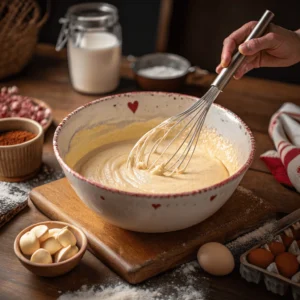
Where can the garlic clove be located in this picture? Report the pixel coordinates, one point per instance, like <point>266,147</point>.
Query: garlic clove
<point>65,253</point>
<point>29,243</point>
<point>54,231</point>
<point>44,237</point>
<point>41,231</point>
<point>52,245</point>
<point>41,256</point>
<point>66,237</point>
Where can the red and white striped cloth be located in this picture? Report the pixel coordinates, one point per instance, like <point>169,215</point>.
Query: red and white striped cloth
<point>284,129</point>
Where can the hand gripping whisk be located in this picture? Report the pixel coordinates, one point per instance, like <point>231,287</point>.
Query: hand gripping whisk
<point>169,147</point>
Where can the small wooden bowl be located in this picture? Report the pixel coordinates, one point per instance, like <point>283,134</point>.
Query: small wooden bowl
<point>54,269</point>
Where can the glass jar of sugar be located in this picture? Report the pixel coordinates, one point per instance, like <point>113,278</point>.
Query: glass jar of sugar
<point>94,37</point>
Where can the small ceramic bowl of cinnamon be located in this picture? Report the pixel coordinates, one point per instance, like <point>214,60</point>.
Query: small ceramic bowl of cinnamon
<point>21,147</point>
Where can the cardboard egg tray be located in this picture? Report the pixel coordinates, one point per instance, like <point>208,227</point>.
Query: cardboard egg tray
<point>274,282</point>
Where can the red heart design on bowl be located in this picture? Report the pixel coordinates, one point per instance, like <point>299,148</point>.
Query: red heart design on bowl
<point>213,197</point>
<point>133,106</point>
<point>156,206</point>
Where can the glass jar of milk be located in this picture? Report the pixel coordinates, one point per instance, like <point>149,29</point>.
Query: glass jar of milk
<point>94,38</point>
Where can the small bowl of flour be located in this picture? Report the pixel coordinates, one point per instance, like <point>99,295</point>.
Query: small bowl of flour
<point>161,71</point>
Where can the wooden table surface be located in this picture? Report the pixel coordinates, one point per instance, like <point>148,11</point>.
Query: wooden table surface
<point>254,100</point>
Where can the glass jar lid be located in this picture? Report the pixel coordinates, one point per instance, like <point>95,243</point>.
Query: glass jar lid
<point>86,17</point>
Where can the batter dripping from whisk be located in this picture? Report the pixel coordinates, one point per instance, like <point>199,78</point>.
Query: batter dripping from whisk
<point>105,161</point>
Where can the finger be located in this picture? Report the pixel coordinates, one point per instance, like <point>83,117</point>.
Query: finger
<point>242,71</point>
<point>219,68</point>
<point>268,41</point>
<point>248,64</point>
<point>229,46</point>
<point>233,40</point>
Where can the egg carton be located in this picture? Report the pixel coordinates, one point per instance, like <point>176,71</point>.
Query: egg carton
<point>275,282</point>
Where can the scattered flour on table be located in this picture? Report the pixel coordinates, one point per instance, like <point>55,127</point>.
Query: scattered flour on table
<point>192,286</point>
<point>189,290</point>
<point>12,194</point>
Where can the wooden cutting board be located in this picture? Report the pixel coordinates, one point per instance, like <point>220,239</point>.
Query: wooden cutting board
<point>139,256</point>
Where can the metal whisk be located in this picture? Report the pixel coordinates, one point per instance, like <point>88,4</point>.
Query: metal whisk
<point>168,148</point>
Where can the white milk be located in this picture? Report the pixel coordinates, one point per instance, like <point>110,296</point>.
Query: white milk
<point>95,65</point>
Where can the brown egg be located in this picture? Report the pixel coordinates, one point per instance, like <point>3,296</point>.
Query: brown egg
<point>215,259</point>
<point>287,264</point>
<point>260,257</point>
<point>287,240</point>
<point>276,248</point>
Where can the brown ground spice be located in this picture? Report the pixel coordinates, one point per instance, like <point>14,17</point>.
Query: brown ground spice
<point>15,137</point>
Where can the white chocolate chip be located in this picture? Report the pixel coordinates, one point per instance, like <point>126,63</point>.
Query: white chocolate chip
<point>65,253</point>
<point>41,256</point>
<point>29,243</point>
<point>52,245</point>
<point>41,231</point>
<point>66,237</point>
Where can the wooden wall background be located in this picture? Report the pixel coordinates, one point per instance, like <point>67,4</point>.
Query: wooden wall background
<point>196,30</point>
<point>199,27</point>
<point>138,18</point>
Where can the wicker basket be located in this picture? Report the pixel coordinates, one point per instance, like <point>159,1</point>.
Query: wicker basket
<point>19,27</point>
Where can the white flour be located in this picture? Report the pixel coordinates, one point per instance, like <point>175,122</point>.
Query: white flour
<point>193,285</point>
<point>14,194</point>
<point>118,292</point>
<point>190,290</point>
<point>161,72</point>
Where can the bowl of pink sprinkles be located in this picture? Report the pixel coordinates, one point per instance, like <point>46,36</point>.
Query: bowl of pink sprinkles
<point>12,104</point>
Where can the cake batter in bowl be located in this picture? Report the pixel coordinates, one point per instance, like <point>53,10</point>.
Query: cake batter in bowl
<point>92,145</point>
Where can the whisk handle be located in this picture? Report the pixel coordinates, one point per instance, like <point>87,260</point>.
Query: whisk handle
<point>227,73</point>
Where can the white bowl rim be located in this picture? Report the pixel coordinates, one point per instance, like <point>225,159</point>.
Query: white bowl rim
<point>153,195</point>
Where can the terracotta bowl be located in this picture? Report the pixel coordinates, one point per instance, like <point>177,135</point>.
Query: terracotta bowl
<point>54,269</point>
<point>21,161</point>
<point>152,212</point>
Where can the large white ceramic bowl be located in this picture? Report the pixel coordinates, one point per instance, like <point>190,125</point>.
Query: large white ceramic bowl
<point>150,212</point>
